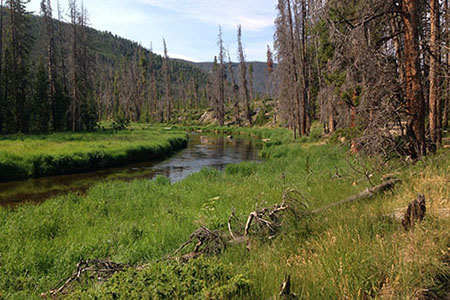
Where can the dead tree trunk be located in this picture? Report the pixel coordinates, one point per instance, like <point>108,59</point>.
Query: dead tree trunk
<point>415,104</point>
<point>446,99</point>
<point>368,193</point>
<point>434,97</point>
<point>297,114</point>
<point>47,11</point>
<point>305,76</point>
<point>243,77</point>
<point>1,66</point>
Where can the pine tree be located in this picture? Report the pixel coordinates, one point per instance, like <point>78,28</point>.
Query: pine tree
<point>46,10</point>
<point>414,91</point>
<point>435,115</point>
<point>41,117</point>
<point>19,43</point>
<point>2,94</point>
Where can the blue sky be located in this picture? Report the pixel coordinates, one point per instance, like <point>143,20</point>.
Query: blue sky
<point>190,27</point>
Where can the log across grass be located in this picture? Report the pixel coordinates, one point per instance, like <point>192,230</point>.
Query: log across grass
<point>350,251</point>
<point>28,156</point>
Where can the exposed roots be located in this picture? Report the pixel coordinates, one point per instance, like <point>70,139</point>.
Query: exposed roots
<point>208,242</point>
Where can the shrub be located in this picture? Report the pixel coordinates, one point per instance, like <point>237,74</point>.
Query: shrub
<point>200,279</point>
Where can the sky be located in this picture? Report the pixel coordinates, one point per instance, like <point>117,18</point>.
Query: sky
<point>190,27</point>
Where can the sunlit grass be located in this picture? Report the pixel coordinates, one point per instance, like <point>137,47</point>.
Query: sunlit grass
<point>353,251</point>
<point>63,153</point>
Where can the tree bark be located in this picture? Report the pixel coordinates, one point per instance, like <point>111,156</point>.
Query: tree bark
<point>446,99</point>
<point>1,67</point>
<point>434,97</point>
<point>415,104</point>
<point>297,114</point>
<point>305,75</point>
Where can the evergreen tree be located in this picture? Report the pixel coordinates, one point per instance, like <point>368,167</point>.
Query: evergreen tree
<point>19,42</point>
<point>40,119</point>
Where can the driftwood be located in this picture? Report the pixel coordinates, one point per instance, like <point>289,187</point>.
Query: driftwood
<point>103,269</point>
<point>366,194</point>
<point>414,213</point>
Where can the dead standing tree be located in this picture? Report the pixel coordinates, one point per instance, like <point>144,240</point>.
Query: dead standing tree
<point>435,114</point>
<point>220,77</point>
<point>235,93</point>
<point>243,78</point>
<point>46,9</point>
<point>415,103</point>
<point>166,105</point>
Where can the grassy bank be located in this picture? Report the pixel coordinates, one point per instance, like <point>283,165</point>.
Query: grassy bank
<point>353,251</point>
<point>27,156</point>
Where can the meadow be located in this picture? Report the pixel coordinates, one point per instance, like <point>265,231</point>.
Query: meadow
<point>352,251</point>
<point>25,156</point>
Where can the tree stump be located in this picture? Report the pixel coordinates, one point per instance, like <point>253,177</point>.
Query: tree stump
<point>415,213</point>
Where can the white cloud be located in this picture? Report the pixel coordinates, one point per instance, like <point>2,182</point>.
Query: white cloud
<point>253,15</point>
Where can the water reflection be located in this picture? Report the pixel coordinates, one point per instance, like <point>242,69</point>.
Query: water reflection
<point>202,151</point>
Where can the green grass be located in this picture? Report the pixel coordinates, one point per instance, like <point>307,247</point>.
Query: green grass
<point>28,156</point>
<point>353,251</point>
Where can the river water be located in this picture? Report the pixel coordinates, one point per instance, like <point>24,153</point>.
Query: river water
<point>203,151</point>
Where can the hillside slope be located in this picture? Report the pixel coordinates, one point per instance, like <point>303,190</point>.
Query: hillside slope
<point>260,75</point>
<point>109,50</point>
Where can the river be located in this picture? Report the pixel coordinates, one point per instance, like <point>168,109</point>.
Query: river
<point>203,150</point>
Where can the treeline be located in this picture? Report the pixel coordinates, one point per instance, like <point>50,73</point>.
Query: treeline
<point>379,67</point>
<point>58,74</point>
<point>52,91</point>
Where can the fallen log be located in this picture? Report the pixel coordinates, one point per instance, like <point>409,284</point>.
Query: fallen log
<point>366,194</point>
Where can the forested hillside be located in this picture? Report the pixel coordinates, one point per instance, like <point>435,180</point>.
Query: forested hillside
<point>261,79</point>
<point>115,78</point>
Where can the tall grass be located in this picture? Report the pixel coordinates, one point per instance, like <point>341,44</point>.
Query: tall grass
<point>353,251</point>
<point>64,153</point>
